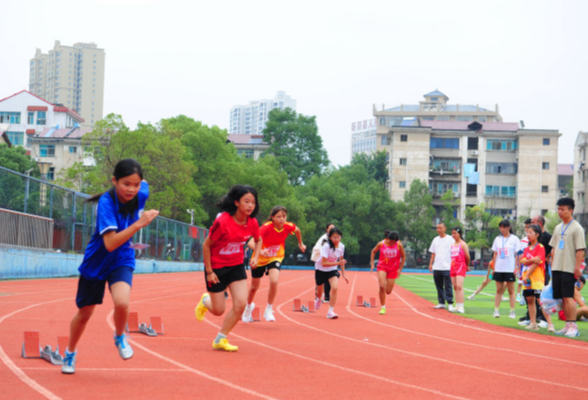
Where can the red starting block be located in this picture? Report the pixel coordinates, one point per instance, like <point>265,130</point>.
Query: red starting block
<point>359,302</point>
<point>31,347</point>
<point>311,306</point>
<point>157,325</point>
<point>297,305</point>
<point>256,315</point>
<point>373,301</point>
<point>133,322</point>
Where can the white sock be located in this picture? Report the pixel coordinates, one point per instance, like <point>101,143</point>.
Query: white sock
<point>219,336</point>
<point>331,309</point>
<point>384,306</point>
<point>269,307</point>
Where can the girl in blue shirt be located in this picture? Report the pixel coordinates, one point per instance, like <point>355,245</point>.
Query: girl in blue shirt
<point>110,256</point>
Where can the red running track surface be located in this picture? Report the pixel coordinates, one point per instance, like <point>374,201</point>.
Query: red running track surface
<point>412,352</point>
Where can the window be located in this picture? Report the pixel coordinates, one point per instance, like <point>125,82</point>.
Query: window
<point>434,99</point>
<point>481,119</point>
<point>247,153</point>
<point>501,191</point>
<point>383,121</point>
<point>73,149</point>
<point>403,138</point>
<point>447,166</point>
<point>501,144</point>
<point>545,165</point>
<point>16,138</point>
<point>443,118</point>
<point>41,117</point>
<point>394,121</point>
<point>440,188</point>
<point>501,168</point>
<point>403,161</point>
<point>442,143</point>
<point>31,117</point>
<point>402,184</point>
<point>464,118</point>
<point>546,142</point>
<point>47,150</point>
<point>544,189</point>
<point>472,143</point>
<point>9,117</point>
<point>384,140</point>
<point>428,118</point>
<point>51,174</point>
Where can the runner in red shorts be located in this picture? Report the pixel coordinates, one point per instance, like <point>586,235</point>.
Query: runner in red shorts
<point>460,260</point>
<point>390,264</point>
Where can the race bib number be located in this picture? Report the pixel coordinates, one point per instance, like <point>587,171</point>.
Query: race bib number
<point>503,252</point>
<point>390,253</point>
<point>272,251</point>
<point>455,251</point>
<point>231,248</point>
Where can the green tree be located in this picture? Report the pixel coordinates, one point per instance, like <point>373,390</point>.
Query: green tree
<point>417,217</point>
<point>376,164</point>
<point>450,205</point>
<point>12,187</point>
<point>296,144</point>
<point>482,228</point>
<point>16,159</point>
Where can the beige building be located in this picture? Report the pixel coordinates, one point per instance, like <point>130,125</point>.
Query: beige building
<point>513,171</point>
<point>580,178</point>
<point>248,146</point>
<point>72,76</point>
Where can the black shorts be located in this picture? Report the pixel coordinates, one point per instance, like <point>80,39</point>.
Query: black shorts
<point>91,292</point>
<point>226,276</point>
<point>563,284</point>
<point>504,276</point>
<point>532,293</point>
<point>323,276</point>
<point>259,271</point>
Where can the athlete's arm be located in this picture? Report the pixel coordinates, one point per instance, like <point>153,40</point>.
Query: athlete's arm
<point>210,275</point>
<point>403,260</point>
<point>301,245</point>
<point>256,251</point>
<point>113,240</point>
<point>374,251</point>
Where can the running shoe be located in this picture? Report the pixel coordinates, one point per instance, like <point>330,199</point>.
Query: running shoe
<point>332,315</point>
<point>382,310</point>
<point>317,304</point>
<point>512,315</point>
<point>472,296</point>
<point>439,306</point>
<point>496,314</point>
<point>562,331</point>
<point>551,328</point>
<point>461,310</point>
<point>69,363</point>
<point>542,324</point>
<point>124,348</point>
<point>452,308</point>
<point>572,332</point>
<point>518,300</point>
<point>201,308</point>
<point>224,344</point>
<point>268,315</point>
<point>246,317</point>
<point>532,327</point>
<point>522,301</point>
<point>525,322</point>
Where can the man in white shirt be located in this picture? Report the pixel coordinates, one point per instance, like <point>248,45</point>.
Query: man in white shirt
<point>440,265</point>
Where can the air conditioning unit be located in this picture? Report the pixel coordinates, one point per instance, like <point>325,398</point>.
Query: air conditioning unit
<point>475,152</point>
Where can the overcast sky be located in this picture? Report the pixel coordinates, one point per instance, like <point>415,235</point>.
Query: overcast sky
<point>336,58</point>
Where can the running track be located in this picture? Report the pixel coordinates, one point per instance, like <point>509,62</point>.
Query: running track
<point>411,352</point>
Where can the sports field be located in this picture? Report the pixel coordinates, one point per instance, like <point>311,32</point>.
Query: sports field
<point>411,352</point>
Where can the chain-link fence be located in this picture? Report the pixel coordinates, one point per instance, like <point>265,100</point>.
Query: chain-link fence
<point>74,221</point>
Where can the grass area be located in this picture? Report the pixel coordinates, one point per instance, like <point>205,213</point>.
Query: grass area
<point>482,307</point>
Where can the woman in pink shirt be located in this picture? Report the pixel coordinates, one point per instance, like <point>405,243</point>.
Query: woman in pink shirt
<point>460,260</point>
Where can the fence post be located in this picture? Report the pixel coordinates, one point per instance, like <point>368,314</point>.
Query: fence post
<point>73,222</point>
<point>26,194</point>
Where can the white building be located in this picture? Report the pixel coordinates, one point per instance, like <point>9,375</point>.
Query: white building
<point>251,119</point>
<point>25,115</point>
<point>249,146</point>
<point>363,136</point>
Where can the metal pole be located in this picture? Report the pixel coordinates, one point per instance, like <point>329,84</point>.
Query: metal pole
<point>73,223</point>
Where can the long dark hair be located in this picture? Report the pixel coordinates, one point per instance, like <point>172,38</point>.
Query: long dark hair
<point>459,232</point>
<point>227,203</point>
<point>123,168</point>
<point>276,210</point>
<point>331,233</point>
<point>505,223</point>
<point>537,230</point>
<point>391,235</point>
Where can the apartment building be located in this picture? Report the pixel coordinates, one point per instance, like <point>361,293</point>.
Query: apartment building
<point>580,178</point>
<point>512,170</point>
<point>72,76</point>
<point>363,136</point>
<point>251,118</point>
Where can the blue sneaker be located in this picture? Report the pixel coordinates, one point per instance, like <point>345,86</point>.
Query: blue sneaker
<point>124,348</point>
<point>69,363</point>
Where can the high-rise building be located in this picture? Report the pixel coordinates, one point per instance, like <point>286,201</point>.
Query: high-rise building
<point>363,136</point>
<point>580,178</point>
<point>72,76</point>
<point>251,119</point>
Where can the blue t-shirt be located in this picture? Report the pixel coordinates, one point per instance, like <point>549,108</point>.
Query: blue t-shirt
<point>98,262</point>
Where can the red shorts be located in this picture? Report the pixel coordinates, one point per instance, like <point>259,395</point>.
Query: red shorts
<point>391,273</point>
<point>459,271</point>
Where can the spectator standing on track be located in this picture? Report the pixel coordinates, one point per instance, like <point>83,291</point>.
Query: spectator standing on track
<point>505,248</point>
<point>568,253</point>
<point>110,256</point>
<point>390,264</point>
<point>326,270</point>
<point>460,261</point>
<point>440,265</point>
<point>274,233</point>
<point>223,259</point>
<point>524,242</point>
<point>316,254</point>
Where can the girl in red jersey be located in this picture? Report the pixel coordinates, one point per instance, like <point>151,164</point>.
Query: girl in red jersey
<point>223,259</point>
<point>533,274</point>
<point>390,264</point>
<point>460,260</point>
<point>274,233</point>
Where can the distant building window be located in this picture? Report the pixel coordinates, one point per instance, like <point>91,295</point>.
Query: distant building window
<point>428,118</point>
<point>501,191</point>
<point>41,117</point>
<point>544,189</point>
<point>31,117</point>
<point>501,168</point>
<point>47,150</point>
<point>247,153</point>
<point>481,119</point>
<point>443,118</point>
<point>464,118</point>
<point>403,138</point>
<point>504,145</point>
<point>383,121</point>
<point>403,161</point>
<point>443,143</point>
<point>384,140</point>
<point>545,165</point>
<point>434,98</point>
<point>546,142</point>
<point>73,149</point>
<point>472,143</point>
<point>402,184</point>
<point>16,138</point>
<point>51,174</point>
<point>9,117</point>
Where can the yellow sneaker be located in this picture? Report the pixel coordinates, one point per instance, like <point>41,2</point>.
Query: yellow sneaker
<point>224,344</point>
<point>382,311</point>
<point>201,308</point>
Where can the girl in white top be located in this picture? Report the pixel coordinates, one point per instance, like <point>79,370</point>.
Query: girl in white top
<point>505,248</point>
<point>326,270</point>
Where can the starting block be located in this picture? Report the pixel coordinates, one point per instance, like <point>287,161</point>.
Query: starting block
<point>373,301</point>
<point>153,329</point>
<point>52,356</point>
<point>133,322</point>
<point>147,330</point>
<point>157,325</point>
<point>367,304</point>
<point>256,315</point>
<point>304,309</point>
<point>359,302</point>
<point>311,306</point>
<point>31,347</point>
<point>297,305</point>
